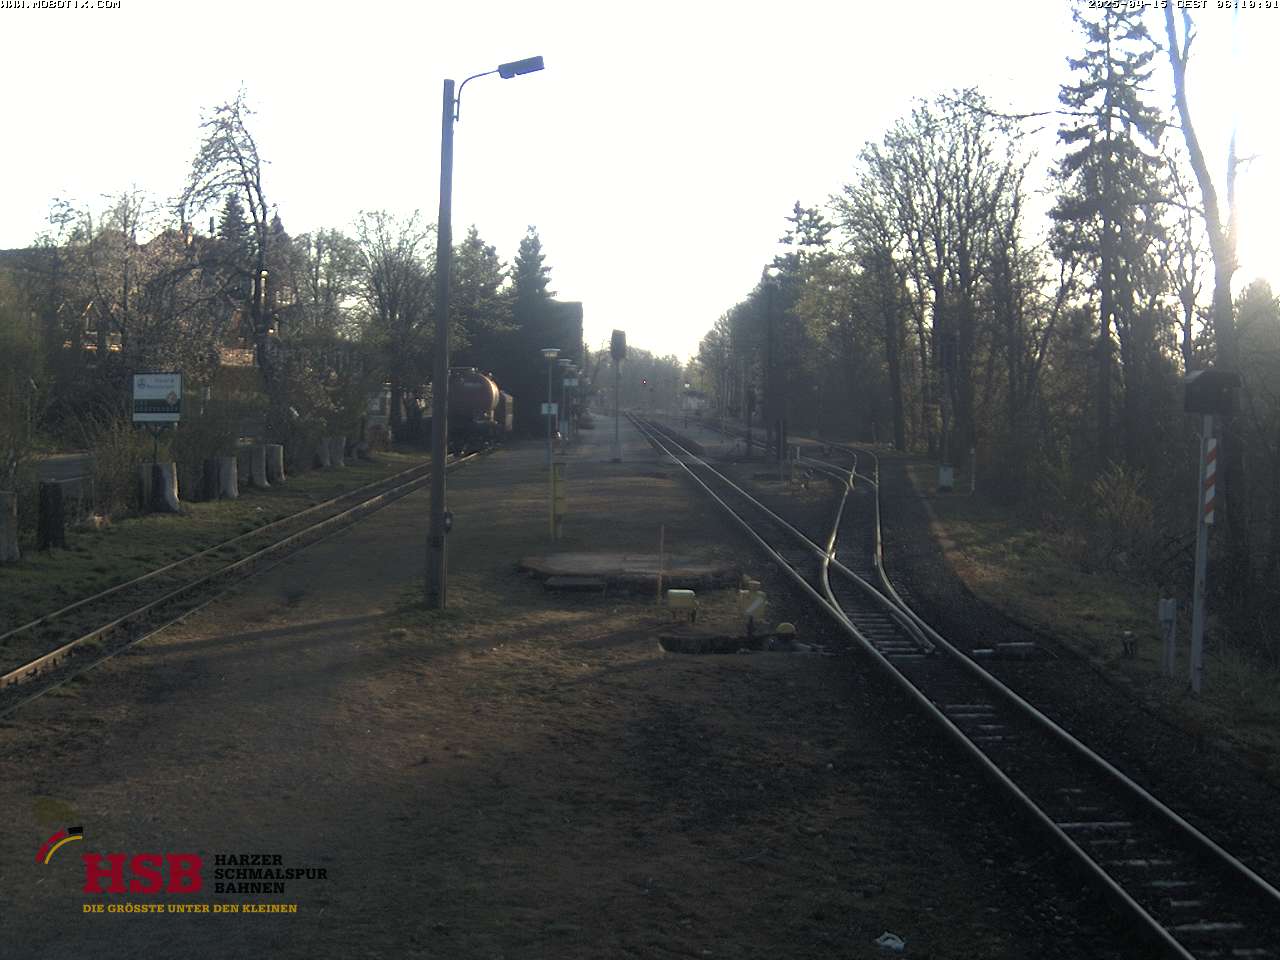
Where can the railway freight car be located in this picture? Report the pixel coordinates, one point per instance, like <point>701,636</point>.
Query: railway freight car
<point>479,412</point>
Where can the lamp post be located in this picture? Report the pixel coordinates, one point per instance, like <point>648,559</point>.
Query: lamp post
<point>452,106</point>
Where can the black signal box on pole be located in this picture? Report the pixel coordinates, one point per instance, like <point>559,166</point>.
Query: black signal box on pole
<point>618,347</point>
<point>1211,392</point>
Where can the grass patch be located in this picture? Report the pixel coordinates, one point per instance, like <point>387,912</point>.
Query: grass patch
<point>1035,578</point>
<point>97,559</point>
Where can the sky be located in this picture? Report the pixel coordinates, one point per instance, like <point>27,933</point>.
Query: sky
<point>657,154</point>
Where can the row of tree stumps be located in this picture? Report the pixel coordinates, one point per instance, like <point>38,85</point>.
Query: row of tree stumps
<point>259,465</point>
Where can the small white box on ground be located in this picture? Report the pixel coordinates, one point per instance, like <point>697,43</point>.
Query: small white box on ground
<point>683,601</point>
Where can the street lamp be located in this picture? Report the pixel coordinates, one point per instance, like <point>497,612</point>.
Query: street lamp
<point>452,107</point>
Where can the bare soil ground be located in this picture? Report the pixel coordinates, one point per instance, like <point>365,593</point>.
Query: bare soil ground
<point>525,775</point>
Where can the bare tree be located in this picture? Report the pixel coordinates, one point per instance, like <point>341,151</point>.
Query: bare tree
<point>397,291</point>
<point>228,162</point>
<point>1222,246</point>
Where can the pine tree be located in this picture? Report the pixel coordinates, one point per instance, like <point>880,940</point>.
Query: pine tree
<point>235,255</point>
<point>1110,183</point>
<point>480,308</point>
<point>233,229</point>
<point>531,276</point>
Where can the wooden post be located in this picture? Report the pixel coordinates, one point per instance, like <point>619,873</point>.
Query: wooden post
<point>52,526</point>
<point>9,552</point>
<point>164,488</point>
<point>275,463</point>
<point>662,538</point>
<point>228,475</point>
<point>258,466</point>
<point>144,487</point>
<point>209,479</point>
<point>337,451</point>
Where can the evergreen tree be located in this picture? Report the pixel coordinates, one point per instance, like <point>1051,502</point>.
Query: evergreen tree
<point>233,229</point>
<point>530,275</point>
<point>480,308</point>
<point>1107,209</point>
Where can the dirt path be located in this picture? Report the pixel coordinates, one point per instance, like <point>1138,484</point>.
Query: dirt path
<point>526,775</point>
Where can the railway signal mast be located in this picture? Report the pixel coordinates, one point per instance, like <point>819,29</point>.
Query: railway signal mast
<point>1210,393</point>
<point>618,350</point>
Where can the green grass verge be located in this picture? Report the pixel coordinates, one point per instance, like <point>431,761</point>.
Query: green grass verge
<point>1034,577</point>
<point>97,559</point>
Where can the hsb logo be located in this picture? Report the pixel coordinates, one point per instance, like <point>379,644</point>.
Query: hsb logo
<point>147,870</point>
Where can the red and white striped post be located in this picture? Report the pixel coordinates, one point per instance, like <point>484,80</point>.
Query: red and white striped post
<point>1205,500</point>
<point>1210,477</point>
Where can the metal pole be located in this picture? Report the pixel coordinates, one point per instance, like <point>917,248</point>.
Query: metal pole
<point>1202,562</point>
<point>617,441</point>
<point>551,470</point>
<point>436,554</point>
<point>770,379</point>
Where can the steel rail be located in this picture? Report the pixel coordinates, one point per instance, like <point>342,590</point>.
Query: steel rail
<point>1137,790</point>
<point>56,614</point>
<point>39,665</point>
<point>1152,924</point>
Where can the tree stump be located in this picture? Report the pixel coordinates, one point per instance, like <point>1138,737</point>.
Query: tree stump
<point>242,464</point>
<point>228,475</point>
<point>51,528</point>
<point>322,452</point>
<point>337,451</point>
<point>209,479</point>
<point>9,552</point>
<point>275,463</point>
<point>258,466</point>
<point>164,488</point>
<point>144,487</point>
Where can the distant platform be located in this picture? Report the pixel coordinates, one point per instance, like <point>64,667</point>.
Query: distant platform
<point>625,569</point>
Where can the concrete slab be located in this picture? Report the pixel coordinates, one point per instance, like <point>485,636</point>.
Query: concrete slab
<point>629,568</point>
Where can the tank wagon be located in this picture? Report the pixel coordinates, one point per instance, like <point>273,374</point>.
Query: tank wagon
<point>479,411</point>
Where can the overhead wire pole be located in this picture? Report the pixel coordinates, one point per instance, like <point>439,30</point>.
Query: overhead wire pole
<point>437,565</point>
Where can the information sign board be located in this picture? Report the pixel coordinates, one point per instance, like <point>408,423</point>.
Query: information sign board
<point>157,397</point>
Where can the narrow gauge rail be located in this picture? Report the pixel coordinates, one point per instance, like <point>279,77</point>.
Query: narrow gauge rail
<point>1193,897</point>
<point>60,645</point>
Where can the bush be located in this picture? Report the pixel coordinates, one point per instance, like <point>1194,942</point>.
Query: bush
<point>1123,531</point>
<point>118,448</point>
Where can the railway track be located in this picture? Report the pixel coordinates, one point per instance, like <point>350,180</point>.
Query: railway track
<point>52,649</point>
<point>1192,897</point>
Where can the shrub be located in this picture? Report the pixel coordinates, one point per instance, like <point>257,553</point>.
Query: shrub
<point>1123,531</point>
<point>118,448</point>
